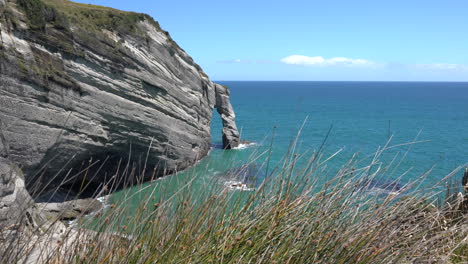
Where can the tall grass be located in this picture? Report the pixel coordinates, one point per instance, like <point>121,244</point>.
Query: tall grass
<point>299,214</point>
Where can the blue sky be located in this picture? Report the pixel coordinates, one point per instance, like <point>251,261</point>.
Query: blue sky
<point>335,40</point>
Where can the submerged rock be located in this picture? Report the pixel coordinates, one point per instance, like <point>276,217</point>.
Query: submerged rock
<point>245,177</point>
<point>375,184</point>
<point>80,84</point>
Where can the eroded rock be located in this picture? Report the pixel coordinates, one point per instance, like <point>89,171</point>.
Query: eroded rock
<point>231,138</point>
<point>15,201</point>
<point>31,233</point>
<point>74,93</point>
<point>465,180</point>
<point>69,210</point>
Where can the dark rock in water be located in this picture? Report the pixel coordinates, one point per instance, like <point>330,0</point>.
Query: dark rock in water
<point>379,184</point>
<point>217,145</point>
<point>74,88</point>
<point>69,210</point>
<point>251,175</point>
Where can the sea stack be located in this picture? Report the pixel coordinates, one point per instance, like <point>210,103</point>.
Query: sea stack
<point>83,85</point>
<point>231,137</point>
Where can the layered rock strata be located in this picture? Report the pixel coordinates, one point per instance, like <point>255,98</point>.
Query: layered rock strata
<point>14,198</point>
<point>81,84</point>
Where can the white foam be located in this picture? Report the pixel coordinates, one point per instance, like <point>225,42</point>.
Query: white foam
<point>379,191</point>
<point>237,185</point>
<point>245,145</point>
<point>104,200</point>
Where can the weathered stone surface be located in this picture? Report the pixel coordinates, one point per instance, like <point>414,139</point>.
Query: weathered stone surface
<point>231,137</point>
<point>52,242</point>
<point>464,203</point>
<point>69,94</point>
<point>465,180</point>
<point>30,233</point>
<point>68,210</point>
<point>14,198</point>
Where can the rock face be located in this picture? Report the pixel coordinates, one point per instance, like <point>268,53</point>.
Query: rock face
<point>30,233</point>
<point>231,137</point>
<point>465,180</point>
<point>68,210</point>
<point>81,83</point>
<point>14,198</point>
<point>464,203</point>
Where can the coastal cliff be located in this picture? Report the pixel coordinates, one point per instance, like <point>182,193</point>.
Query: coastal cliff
<point>82,83</point>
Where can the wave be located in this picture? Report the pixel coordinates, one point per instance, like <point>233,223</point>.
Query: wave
<point>382,191</point>
<point>238,186</point>
<point>245,145</point>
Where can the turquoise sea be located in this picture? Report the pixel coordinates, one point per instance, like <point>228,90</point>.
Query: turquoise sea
<point>354,117</point>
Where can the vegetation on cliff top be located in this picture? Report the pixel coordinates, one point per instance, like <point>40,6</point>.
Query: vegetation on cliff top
<point>72,29</point>
<point>64,14</point>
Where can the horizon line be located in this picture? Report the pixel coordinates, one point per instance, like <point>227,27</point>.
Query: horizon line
<point>336,81</point>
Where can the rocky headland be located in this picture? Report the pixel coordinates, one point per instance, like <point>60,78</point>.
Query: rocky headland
<point>83,90</point>
<point>84,86</point>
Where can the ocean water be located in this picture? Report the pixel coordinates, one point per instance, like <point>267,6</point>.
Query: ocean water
<point>354,117</point>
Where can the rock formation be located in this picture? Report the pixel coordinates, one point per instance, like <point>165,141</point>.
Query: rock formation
<point>81,83</point>
<point>465,180</point>
<point>14,198</point>
<point>231,137</point>
<point>31,233</point>
<point>68,210</point>
<point>464,201</point>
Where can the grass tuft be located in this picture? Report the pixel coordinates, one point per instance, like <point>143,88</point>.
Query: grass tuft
<point>297,215</point>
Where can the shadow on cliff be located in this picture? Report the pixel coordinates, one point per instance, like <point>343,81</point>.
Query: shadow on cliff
<point>87,176</point>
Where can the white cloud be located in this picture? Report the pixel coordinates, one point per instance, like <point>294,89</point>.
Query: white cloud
<point>442,67</point>
<point>234,61</point>
<point>320,61</point>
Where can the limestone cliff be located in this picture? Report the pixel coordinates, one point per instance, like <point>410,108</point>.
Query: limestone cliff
<point>81,82</point>
<point>14,199</point>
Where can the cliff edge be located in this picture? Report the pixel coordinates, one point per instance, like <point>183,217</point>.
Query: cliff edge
<point>82,83</point>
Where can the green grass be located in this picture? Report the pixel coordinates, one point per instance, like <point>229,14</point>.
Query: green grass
<point>293,217</point>
<point>460,254</point>
<point>96,18</point>
<point>37,13</point>
<point>64,14</point>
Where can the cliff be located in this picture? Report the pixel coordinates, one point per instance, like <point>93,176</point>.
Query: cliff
<point>82,83</point>
<point>14,199</point>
